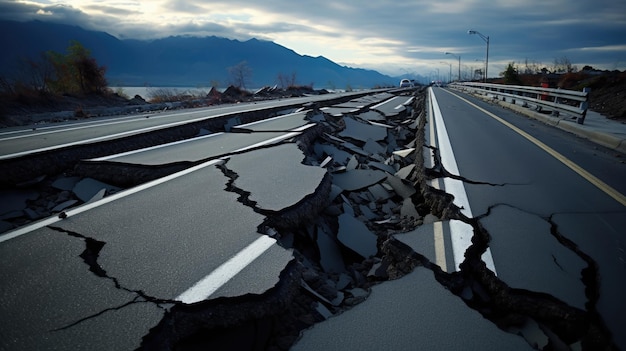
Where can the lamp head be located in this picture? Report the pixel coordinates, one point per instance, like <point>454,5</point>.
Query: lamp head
<point>471,32</point>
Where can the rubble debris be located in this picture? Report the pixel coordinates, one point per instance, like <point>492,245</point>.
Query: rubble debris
<point>331,258</point>
<point>13,201</point>
<point>373,189</point>
<point>357,179</point>
<point>65,183</point>
<point>355,235</point>
<point>89,189</point>
<point>372,116</point>
<point>362,131</point>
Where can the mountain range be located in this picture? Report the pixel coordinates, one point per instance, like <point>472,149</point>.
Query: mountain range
<point>180,60</point>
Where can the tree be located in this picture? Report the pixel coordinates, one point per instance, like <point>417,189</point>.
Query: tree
<point>562,65</point>
<point>286,81</point>
<point>76,71</point>
<point>510,74</point>
<point>240,74</point>
<point>36,73</point>
<point>87,74</point>
<point>533,67</point>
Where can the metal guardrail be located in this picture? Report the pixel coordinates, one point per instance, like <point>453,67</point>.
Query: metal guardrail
<point>555,100</point>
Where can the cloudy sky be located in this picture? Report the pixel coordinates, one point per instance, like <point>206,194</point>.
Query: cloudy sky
<point>393,37</point>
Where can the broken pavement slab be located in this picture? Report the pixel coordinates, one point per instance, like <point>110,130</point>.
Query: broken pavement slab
<point>355,235</point>
<point>75,310</point>
<point>281,123</point>
<point>275,177</point>
<point>15,200</point>
<point>609,264</point>
<point>358,179</point>
<point>362,131</point>
<point>414,312</point>
<point>89,189</point>
<point>206,236</point>
<point>393,107</point>
<point>431,240</point>
<point>191,150</point>
<point>559,266</point>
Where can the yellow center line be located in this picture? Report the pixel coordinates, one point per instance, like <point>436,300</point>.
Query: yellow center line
<point>607,189</point>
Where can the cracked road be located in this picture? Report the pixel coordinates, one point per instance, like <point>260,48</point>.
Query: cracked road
<point>423,220</point>
<point>552,230</point>
<point>553,236</point>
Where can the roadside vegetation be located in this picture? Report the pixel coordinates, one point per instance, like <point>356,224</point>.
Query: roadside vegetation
<point>608,88</point>
<point>54,79</point>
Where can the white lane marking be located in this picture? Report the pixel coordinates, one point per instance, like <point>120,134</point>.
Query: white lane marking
<point>461,233</point>
<point>226,271</point>
<point>104,158</point>
<point>88,206</point>
<point>120,120</point>
<point>440,249</point>
<point>303,112</point>
<point>112,136</point>
<point>37,129</point>
<point>94,124</point>
<point>383,103</point>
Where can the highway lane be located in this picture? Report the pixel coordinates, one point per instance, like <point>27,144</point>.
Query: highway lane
<point>105,273</point>
<point>548,220</point>
<point>186,237</point>
<point>17,142</point>
<point>123,259</point>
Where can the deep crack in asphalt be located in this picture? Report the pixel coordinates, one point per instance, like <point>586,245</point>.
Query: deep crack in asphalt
<point>90,256</point>
<point>306,292</point>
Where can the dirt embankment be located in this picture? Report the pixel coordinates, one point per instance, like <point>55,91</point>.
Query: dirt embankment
<point>30,107</point>
<point>608,89</point>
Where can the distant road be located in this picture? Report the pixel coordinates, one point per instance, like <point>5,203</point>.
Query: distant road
<point>16,142</point>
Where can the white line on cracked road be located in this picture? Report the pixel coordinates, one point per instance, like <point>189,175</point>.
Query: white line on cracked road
<point>225,272</point>
<point>461,233</point>
<point>214,280</point>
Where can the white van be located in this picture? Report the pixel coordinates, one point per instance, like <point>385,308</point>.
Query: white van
<point>405,83</point>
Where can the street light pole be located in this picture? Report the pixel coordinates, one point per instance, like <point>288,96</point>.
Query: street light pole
<point>459,57</point>
<point>486,39</point>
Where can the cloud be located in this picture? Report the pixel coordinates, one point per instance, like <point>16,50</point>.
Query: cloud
<point>112,10</point>
<point>405,35</point>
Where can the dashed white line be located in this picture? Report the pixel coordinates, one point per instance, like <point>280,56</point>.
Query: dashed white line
<point>225,272</point>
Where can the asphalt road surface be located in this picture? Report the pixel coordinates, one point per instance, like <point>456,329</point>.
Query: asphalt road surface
<point>107,273</point>
<point>15,142</point>
<point>552,208</point>
<point>549,200</point>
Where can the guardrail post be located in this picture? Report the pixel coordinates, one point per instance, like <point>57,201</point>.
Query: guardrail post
<point>584,106</point>
<point>555,113</point>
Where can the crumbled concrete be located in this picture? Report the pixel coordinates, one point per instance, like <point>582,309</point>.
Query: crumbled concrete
<point>356,236</point>
<point>90,189</point>
<point>358,191</point>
